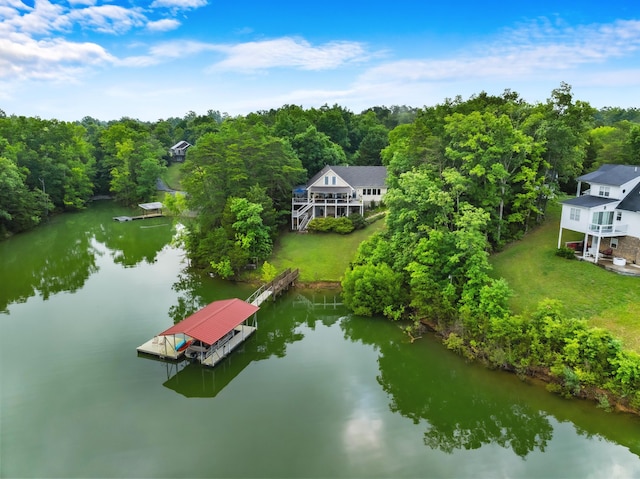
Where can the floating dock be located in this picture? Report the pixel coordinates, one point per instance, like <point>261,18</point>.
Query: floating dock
<point>210,334</point>
<point>150,210</point>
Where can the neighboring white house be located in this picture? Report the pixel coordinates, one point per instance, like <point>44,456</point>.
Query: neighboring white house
<point>337,191</point>
<point>608,213</point>
<point>179,151</point>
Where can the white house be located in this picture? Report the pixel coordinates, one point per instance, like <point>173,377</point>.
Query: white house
<point>608,213</point>
<point>337,191</point>
<point>179,151</point>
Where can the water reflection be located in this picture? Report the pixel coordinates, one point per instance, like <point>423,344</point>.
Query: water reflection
<point>193,380</point>
<point>459,413</point>
<point>62,255</point>
<point>46,262</point>
<point>270,339</point>
<point>132,243</point>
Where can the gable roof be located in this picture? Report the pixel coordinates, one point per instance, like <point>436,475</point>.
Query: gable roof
<point>631,201</point>
<point>213,321</point>
<point>356,176</point>
<point>181,145</point>
<point>614,175</point>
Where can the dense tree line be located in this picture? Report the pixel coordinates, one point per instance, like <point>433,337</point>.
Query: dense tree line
<point>466,177</point>
<point>52,166</point>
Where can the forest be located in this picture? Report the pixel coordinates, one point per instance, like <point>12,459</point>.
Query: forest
<point>466,177</point>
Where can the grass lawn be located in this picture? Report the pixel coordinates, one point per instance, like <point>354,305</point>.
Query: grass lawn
<point>534,272</point>
<point>172,176</point>
<point>319,256</point>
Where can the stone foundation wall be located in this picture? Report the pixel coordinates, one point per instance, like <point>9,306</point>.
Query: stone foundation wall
<point>629,249</point>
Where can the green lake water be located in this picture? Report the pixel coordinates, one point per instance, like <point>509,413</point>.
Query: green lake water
<point>315,392</point>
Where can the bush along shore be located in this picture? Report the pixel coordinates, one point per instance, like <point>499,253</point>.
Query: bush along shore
<point>575,360</point>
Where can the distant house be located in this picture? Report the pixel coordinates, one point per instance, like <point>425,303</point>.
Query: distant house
<point>337,191</point>
<point>178,152</point>
<point>608,213</point>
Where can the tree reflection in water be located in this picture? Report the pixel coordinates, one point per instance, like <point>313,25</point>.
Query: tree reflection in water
<point>459,412</point>
<point>271,338</point>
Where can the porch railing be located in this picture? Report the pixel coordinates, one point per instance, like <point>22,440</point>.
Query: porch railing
<point>608,230</point>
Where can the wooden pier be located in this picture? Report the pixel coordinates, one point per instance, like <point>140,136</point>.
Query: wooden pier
<point>273,288</point>
<point>151,210</point>
<point>140,217</point>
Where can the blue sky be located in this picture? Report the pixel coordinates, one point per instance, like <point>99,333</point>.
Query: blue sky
<point>161,58</point>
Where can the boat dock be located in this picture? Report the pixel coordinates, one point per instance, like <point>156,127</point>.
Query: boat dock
<point>150,210</point>
<point>210,334</point>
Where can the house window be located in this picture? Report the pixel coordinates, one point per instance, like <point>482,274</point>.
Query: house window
<point>603,217</point>
<point>614,243</point>
<point>333,180</point>
<point>574,215</point>
<point>326,180</point>
<point>604,191</point>
<point>619,216</point>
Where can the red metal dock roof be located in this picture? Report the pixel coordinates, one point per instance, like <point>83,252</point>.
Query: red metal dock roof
<point>213,321</point>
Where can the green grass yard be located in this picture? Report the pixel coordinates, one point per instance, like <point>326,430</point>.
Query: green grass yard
<point>172,176</point>
<point>534,272</point>
<point>321,257</point>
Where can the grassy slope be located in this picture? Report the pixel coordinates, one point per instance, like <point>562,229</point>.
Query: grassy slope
<point>172,176</point>
<point>606,299</point>
<point>320,257</point>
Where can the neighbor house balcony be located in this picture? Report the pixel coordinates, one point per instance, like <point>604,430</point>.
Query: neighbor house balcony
<point>608,230</point>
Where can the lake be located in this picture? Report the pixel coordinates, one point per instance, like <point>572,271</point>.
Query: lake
<point>315,392</point>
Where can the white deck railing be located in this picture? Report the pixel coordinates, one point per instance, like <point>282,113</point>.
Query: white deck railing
<point>608,230</point>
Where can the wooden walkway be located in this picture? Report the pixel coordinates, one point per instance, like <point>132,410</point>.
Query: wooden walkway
<point>140,217</point>
<point>272,289</point>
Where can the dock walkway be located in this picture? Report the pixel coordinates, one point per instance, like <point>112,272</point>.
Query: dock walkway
<point>273,288</point>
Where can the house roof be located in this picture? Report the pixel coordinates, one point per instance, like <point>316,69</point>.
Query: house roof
<point>181,145</point>
<point>614,175</point>
<point>356,176</point>
<point>155,205</point>
<point>631,201</point>
<point>213,321</point>
<point>588,201</point>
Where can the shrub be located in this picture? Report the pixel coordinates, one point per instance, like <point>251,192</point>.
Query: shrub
<point>269,272</point>
<point>320,225</point>
<point>565,252</point>
<point>324,225</point>
<point>358,221</point>
<point>343,226</point>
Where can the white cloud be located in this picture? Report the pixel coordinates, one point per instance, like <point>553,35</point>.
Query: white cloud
<point>178,4</point>
<point>44,18</point>
<point>521,53</point>
<point>257,56</point>
<point>108,18</point>
<point>167,51</point>
<point>163,25</point>
<point>85,3</point>
<point>22,57</point>
<point>14,4</point>
<point>288,52</point>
